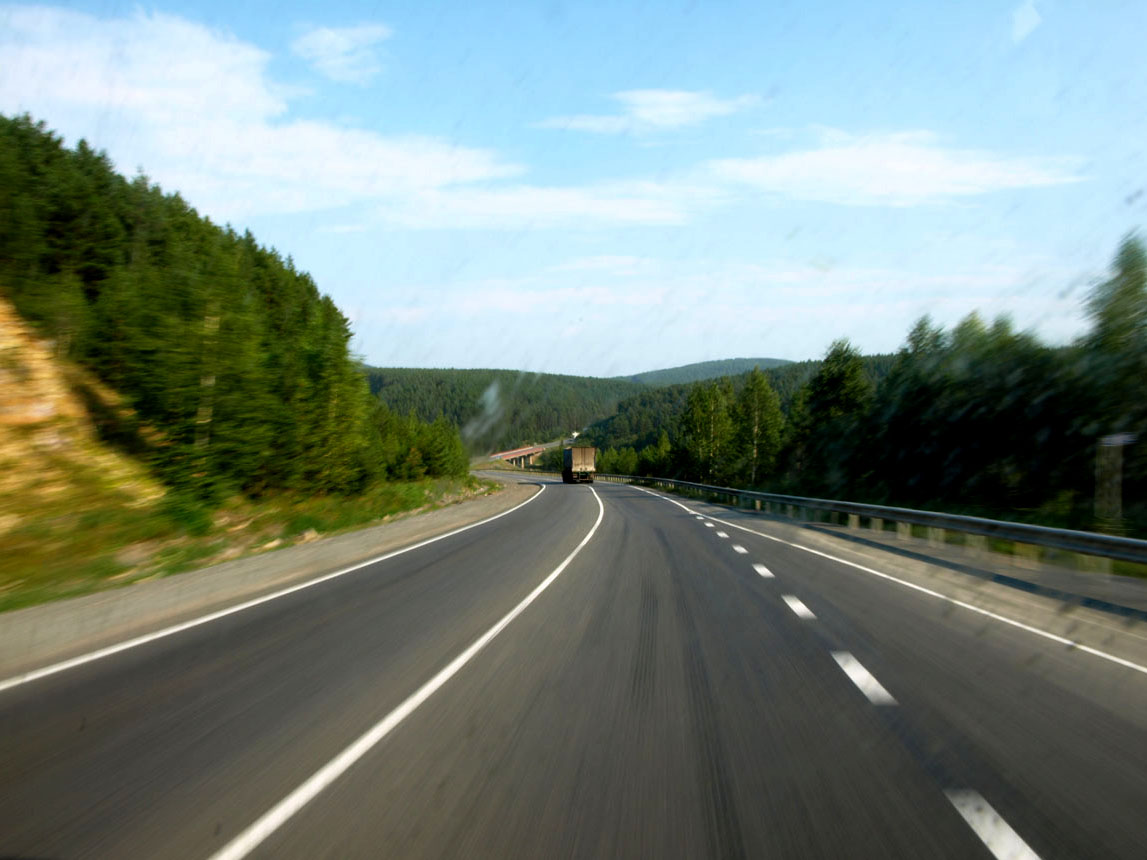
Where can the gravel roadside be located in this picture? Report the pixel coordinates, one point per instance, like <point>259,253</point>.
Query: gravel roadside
<point>40,635</point>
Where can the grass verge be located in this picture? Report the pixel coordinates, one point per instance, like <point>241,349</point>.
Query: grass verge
<point>69,543</point>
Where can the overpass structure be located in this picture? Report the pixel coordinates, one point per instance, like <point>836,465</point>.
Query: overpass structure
<point>522,456</point>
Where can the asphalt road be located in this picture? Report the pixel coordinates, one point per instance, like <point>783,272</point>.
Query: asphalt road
<point>665,694</point>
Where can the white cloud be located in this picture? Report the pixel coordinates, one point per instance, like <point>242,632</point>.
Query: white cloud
<point>341,228</point>
<point>403,315</point>
<point>648,110</point>
<point>344,54</point>
<point>530,294</point>
<point>532,206</point>
<point>899,169</point>
<point>1025,18</point>
<point>197,110</point>
<point>618,264</point>
<point>713,308</point>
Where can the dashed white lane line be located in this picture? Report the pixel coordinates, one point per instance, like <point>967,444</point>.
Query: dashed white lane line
<point>698,516</point>
<point>281,812</point>
<point>995,616</point>
<point>737,548</point>
<point>996,834</point>
<point>722,534</point>
<point>99,654</point>
<point>993,831</point>
<point>863,679</point>
<point>709,526</point>
<point>799,609</point>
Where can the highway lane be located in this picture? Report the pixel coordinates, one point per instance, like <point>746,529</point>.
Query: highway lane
<point>165,749</point>
<point>660,698</point>
<point>658,703</point>
<point>1056,738</point>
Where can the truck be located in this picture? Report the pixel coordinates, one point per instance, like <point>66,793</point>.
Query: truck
<point>577,465</point>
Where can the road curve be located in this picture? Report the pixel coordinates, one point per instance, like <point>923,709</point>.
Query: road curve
<point>670,686</point>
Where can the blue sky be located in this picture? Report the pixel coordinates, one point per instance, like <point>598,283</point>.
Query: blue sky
<point>609,188</point>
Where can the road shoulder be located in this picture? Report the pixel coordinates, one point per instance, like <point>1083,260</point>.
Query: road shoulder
<point>1124,638</point>
<point>33,637</point>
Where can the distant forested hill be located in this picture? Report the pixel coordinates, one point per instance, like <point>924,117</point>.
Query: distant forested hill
<point>641,419</point>
<point>705,370</point>
<point>500,409</point>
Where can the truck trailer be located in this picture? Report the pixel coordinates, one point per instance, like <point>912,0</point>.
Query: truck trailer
<point>577,465</point>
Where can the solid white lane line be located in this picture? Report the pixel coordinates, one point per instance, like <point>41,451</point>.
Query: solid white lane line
<point>63,665</point>
<point>281,812</point>
<point>739,549</point>
<point>993,831</point>
<point>996,834</point>
<point>987,613</point>
<point>709,525</point>
<point>665,498</point>
<point>722,534</point>
<point>863,679</point>
<point>798,608</point>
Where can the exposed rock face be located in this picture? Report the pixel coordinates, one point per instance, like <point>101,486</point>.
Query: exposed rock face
<point>32,390</point>
<point>47,440</point>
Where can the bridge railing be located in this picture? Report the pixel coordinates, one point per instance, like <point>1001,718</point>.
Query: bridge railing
<point>1025,538</point>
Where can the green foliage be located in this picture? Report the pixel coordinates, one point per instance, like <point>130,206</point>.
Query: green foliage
<point>187,513</point>
<point>1118,306</point>
<point>497,410</point>
<point>64,549</point>
<point>705,370</point>
<point>228,353</point>
<point>759,424</point>
<point>656,459</point>
<point>614,461</point>
<point>982,415</point>
<point>551,460</point>
<point>840,389</point>
<point>827,420</point>
<point>641,419</point>
<point>707,429</point>
<point>980,418</point>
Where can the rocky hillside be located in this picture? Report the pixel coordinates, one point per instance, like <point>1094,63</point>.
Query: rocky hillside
<point>59,484</point>
<point>47,439</point>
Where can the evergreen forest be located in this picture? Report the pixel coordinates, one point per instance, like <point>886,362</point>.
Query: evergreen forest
<point>497,410</point>
<point>236,368</point>
<point>240,378</point>
<point>979,418</point>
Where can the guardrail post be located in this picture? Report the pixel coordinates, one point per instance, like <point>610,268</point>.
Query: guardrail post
<point>978,544</point>
<point>1095,564</point>
<point>1025,555</point>
<point>1025,543</point>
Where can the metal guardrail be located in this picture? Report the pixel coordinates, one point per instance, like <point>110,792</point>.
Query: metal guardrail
<point>1065,540</point>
